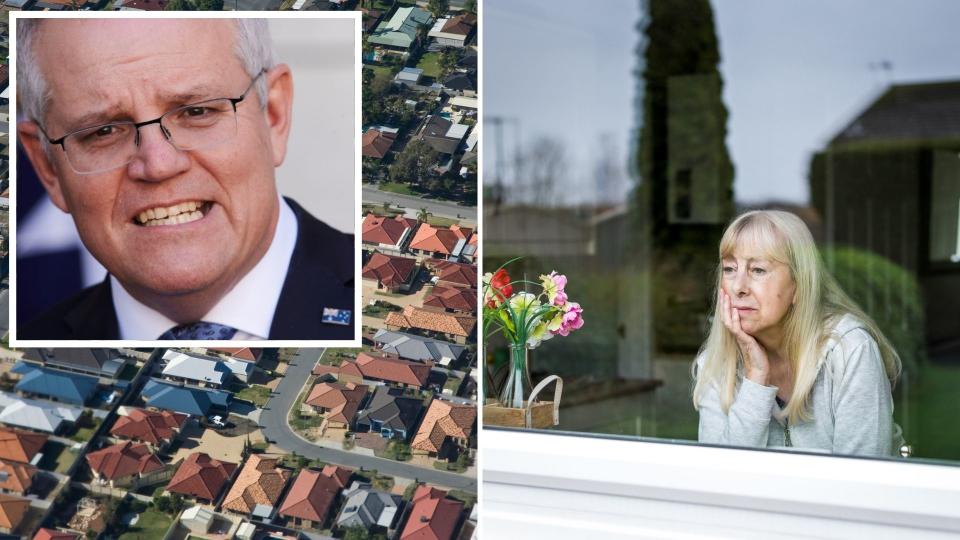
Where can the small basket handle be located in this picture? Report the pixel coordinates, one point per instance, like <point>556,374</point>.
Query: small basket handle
<point>528,411</point>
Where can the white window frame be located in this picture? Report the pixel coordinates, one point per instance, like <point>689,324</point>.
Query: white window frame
<point>563,485</point>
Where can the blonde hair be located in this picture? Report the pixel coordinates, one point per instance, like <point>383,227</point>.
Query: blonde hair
<point>807,326</point>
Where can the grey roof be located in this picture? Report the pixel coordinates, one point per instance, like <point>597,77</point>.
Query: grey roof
<point>203,368</point>
<point>89,359</point>
<point>409,74</point>
<point>33,414</point>
<point>366,507</point>
<point>908,112</point>
<point>401,29</point>
<point>394,411</point>
<point>416,347</point>
<point>443,135</point>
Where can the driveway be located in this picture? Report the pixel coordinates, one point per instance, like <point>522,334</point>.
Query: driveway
<point>274,425</point>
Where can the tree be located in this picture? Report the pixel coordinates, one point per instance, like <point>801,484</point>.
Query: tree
<point>448,61</point>
<point>414,163</point>
<point>438,8</point>
<point>356,532</point>
<point>471,6</point>
<point>423,215</point>
<point>210,5</point>
<point>180,5</point>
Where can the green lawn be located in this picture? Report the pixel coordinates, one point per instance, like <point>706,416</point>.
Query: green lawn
<point>430,64</point>
<point>452,384</point>
<point>56,457</point>
<point>442,221</point>
<point>258,395</point>
<point>931,405</point>
<point>383,73</point>
<point>395,187</point>
<point>152,524</point>
<point>84,434</point>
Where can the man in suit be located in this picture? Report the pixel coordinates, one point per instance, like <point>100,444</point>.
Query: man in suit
<point>163,152</point>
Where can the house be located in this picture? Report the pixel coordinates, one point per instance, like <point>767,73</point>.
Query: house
<point>54,384</point>
<point>433,516</point>
<point>53,534</point>
<point>450,274</point>
<point>36,415</point>
<point>366,507</point>
<point>456,327</point>
<point>376,143</point>
<point>258,487</point>
<point>20,446</point>
<point>197,519</point>
<point>12,511</point>
<point>399,32</point>
<point>443,135</point>
<point>461,83</point>
<point>247,354</point>
<point>340,402</point>
<point>390,414</point>
<point>387,234</point>
<point>184,399</point>
<point>157,428</point>
<point>390,273</point>
<point>454,31</point>
<point>417,348</point>
<point>445,426</point>
<point>201,477</point>
<point>440,242</point>
<point>384,368</point>
<point>371,17</point>
<point>106,363</point>
<point>204,370</point>
<point>313,495</point>
<point>408,76</point>
<point>16,477</point>
<point>123,464</point>
<point>453,299</point>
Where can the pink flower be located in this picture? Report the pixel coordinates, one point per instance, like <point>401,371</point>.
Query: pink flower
<point>559,282</point>
<point>572,318</point>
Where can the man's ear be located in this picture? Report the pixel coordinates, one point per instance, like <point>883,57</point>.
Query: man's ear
<point>31,138</point>
<point>279,107</point>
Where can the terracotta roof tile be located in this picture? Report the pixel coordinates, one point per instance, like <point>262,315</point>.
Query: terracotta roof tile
<point>387,368</point>
<point>459,274</point>
<point>461,25</point>
<point>12,510</point>
<point>389,270</point>
<point>148,426</point>
<point>439,240</point>
<point>201,476</point>
<point>19,476</point>
<point>343,400</point>
<point>444,419</point>
<point>20,445</point>
<point>53,534</point>
<point>314,493</point>
<point>260,482</point>
<point>249,354</point>
<point>454,298</point>
<point>376,143</point>
<point>424,319</point>
<point>323,369</point>
<point>122,460</point>
<point>385,230</point>
<point>433,516</point>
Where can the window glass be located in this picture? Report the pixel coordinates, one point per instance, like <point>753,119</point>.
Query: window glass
<point>622,143</point>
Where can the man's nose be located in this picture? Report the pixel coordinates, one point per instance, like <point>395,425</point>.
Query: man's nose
<point>157,157</point>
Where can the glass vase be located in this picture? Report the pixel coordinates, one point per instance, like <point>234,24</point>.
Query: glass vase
<point>517,387</point>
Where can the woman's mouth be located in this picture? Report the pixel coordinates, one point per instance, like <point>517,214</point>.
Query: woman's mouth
<point>177,214</point>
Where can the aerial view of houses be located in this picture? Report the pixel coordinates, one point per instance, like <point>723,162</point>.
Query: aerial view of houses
<point>220,443</point>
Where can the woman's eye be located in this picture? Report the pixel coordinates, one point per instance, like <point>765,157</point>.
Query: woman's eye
<point>728,270</point>
<point>759,271</point>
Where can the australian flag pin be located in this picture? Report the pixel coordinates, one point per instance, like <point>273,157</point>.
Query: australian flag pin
<point>336,316</point>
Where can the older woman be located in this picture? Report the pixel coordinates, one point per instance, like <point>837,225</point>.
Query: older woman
<point>790,359</point>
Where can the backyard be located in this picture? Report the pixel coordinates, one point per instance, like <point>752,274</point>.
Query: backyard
<point>256,394</point>
<point>152,524</point>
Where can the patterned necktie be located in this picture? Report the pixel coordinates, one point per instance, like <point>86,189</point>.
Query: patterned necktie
<point>200,331</point>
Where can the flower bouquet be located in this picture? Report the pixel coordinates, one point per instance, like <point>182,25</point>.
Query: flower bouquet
<point>525,319</point>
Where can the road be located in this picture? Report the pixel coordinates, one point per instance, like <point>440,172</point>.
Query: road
<point>437,208</point>
<point>273,420</point>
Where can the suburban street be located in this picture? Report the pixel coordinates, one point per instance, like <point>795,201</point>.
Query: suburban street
<point>437,208</point>
<point>273,420</point>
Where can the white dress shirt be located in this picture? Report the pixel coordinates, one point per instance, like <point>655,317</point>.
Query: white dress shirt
<point>248,307</point>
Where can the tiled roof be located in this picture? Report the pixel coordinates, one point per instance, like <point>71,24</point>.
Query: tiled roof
<point>314,493</point>
<point>424,319</point>
<point>20,445</point>
<point>433,517</point>
<point>259,482</point>
<point>53,534</point>
<point>146,5</point>
<point>12,510</point>
<point>461,25</point>
<point>148,426</point>
<point>444,419</point>
<point>457,273</point>
<point>343,400</point>
<point>416,348</point>
<point>908,112</point>
<point>386,368</point>
<point>201,476</point>
<point>454,298</point>
<point>376,143</point>
<point>123,460</point>
<point>19,476</point>
<point>389,270</point>
<point>366,507</point>
<point>250,354</point>
<point>394,411</point>
<point>91,359</point>
<point>440,240</point>
<point>323,369</point>
<point>383,230</point>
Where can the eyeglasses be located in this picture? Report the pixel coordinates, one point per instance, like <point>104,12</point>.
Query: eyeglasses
<point>194,126</point>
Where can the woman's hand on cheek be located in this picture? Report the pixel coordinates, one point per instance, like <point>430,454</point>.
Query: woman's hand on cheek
<point>756,363</point>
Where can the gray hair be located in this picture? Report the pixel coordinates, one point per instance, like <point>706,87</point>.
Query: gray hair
<point>253,48</point>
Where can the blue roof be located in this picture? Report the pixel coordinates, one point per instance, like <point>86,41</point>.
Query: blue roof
<point>184,399</point>
<point>66,387</point>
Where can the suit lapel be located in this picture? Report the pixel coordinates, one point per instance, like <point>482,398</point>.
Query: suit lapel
<point>93,316</point>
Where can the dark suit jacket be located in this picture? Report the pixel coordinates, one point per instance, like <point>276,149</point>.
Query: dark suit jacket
<point>320,276</point>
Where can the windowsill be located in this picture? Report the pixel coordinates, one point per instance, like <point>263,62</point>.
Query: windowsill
<point>680,488</point>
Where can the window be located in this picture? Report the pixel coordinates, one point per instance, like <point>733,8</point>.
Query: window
<point>622,142</point>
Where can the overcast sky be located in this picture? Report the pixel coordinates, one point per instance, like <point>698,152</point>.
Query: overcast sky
<point>794,73</point>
